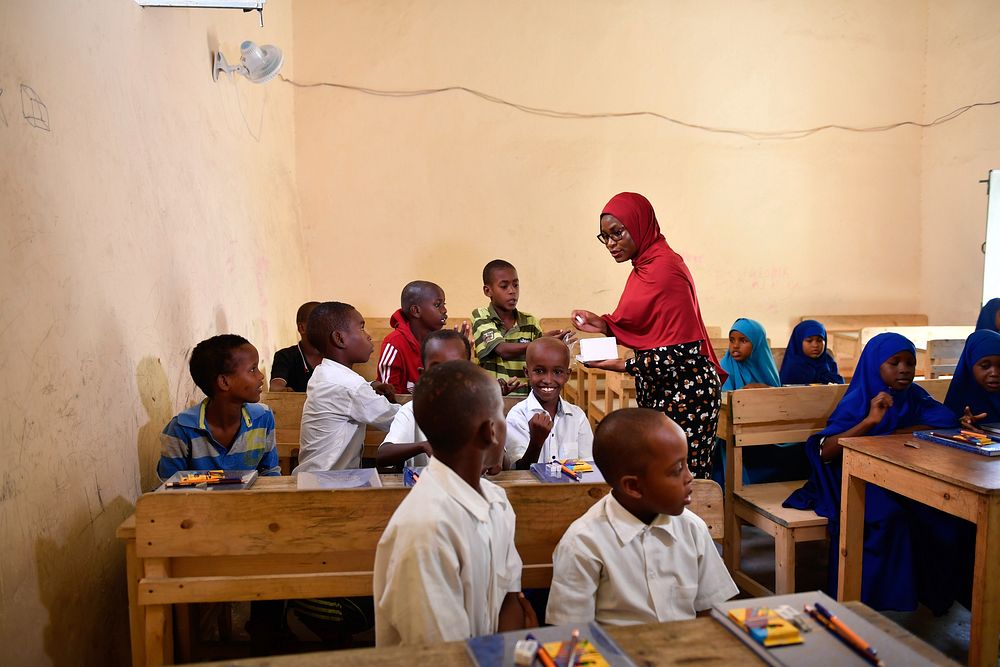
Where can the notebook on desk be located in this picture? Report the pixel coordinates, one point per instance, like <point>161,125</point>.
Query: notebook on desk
<point>819,646</point>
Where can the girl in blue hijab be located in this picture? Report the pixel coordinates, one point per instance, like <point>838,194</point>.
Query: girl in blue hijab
<point>882,399</point>
<point>749,361</point>
<point>974,392</point>
<point>807,361</point>
<point>989,316</point>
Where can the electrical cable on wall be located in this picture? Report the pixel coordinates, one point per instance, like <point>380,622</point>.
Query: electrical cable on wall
<point>575,115</point>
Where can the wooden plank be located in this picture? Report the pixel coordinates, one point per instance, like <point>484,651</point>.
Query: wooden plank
<point>985,629</point>
<point>766,499</point>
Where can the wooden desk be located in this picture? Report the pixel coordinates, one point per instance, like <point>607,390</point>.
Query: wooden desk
<point>960,483</point>
<point>702,642</point>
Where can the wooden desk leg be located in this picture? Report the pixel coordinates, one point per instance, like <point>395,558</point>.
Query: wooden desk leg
<point>784,561</point>
<point>136,614</point>
<point>985,630</point>
<point>159,620</point>
<point>852,532</point>
<point>732,543</point>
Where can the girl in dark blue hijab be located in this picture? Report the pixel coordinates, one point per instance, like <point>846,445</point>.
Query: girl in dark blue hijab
<point>989,316</point>
<point>882,399</point>
<point>807,361</point>
<point>974,392</point>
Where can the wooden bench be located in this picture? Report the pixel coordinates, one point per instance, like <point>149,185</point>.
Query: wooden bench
<point>844,332</point>
<point>273,542</point>
<point>942,356</point>
<point>755,417</point>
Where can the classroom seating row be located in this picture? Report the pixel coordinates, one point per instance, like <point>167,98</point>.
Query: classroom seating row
<point>274,542</point>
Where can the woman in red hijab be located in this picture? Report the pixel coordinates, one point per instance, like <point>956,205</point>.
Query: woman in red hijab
<point>675,369</point>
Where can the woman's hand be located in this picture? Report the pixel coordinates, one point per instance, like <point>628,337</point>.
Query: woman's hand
<point>617,365</point>
<point>968,420</point>
<point>584,320</point>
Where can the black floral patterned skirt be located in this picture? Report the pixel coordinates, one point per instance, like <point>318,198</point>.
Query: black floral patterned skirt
<point>681,383</point>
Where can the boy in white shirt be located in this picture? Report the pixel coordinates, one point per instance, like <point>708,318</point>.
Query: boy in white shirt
<point>446,567</point>
<point>339,402</point>
<point>543,425</point>
<point>405,443</point>
<point>637,555</point>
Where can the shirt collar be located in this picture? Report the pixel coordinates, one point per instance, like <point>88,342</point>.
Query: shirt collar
<point>521,319</point>
<point>203,425</point>
<point>194,417</point>
<point>562,407</point>
<point>477,505</point>
<point>627,527</point>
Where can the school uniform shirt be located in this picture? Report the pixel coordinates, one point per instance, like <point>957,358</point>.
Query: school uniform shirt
<point>570,436</point>
<point>291,366</point>
<point>445,561</point>
<point>613,568</point>
<point>488,332</point>
<point>399,359</point>
<point>339,403</point>
<point>187,444</point>
<point>404,429</point>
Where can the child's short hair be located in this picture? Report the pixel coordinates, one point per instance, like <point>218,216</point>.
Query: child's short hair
<point>443,335</point>
<point>213,357</point>
<point>415,292</point>
<point>449,401</point>
<point>302,314</point>
<point>620,444</point>
<point>495,265</point>
<point>326,318</point>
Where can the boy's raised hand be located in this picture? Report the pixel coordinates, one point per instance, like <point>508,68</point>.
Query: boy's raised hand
<point>879,406</point>
<point>539,426</point>
<point>464,328</point>
<point>384,389</point>
<point>507,386</point>
<point>968,420</point>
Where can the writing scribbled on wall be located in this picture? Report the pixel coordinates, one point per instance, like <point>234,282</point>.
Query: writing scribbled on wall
<point>33,109</point>
<point>3,116</point>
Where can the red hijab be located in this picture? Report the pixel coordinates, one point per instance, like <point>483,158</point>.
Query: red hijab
<point>659,306</point>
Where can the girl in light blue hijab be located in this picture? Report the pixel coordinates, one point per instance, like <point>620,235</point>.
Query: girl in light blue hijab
<point>749,361</point>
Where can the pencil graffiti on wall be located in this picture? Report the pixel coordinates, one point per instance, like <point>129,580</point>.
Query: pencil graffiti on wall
<point>33,109</point>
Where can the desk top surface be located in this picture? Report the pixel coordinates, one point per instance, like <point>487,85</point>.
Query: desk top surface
<point>701,641</point>
<point>948,464</point>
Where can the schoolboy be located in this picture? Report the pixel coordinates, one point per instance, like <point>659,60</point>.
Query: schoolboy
<point>637,555</point>
<point>293,366</point>
<point>339,402</point>
<point>422,310</point>
<point>446,567</point>
<point>501,332</point>
<point>228,430</point>
<point>543,425</point>
<point>405,443</point>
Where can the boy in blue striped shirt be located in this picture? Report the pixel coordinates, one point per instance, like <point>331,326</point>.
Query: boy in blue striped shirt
<point>229,430</point>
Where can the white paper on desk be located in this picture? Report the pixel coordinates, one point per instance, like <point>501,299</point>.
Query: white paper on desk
<point>598,349</point>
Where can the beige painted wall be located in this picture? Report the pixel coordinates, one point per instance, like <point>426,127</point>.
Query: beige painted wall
<point>147,218</point>
<point>963,49</point>
<point>433,187</point>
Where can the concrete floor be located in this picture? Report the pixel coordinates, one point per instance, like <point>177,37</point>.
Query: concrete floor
<point>949,633</point>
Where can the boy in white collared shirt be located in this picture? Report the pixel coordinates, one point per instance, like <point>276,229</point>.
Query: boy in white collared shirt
<point>339,402</point>
<point>446,567</point>
<point>637,555</point>
<point>543,425</point>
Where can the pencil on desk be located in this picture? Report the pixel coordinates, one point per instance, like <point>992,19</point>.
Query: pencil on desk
<point>844,633</point>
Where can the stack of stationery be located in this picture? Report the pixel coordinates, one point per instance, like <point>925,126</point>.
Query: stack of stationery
<point>568,470</point>
<point>210,480</point>
<point>985,444</point>
<point>554,646</point>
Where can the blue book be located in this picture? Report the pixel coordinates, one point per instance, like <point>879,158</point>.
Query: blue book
<point>411,475</point>
<point>953,438</point>
<point>498,650</point>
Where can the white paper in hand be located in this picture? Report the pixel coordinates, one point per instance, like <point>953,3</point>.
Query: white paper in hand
<point>598,349</point>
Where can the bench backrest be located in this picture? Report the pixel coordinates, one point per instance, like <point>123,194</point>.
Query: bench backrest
<point>942,356</point>
<point>858,322</point>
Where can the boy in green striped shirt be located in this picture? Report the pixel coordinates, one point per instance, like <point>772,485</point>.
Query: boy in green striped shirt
<point>501,332</point>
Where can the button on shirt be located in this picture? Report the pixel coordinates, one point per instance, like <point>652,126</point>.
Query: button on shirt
<point>611,567</point>
<point>570,437</point>
<point>404,429</point>
<point>338,405</point>
<point>445,561</point>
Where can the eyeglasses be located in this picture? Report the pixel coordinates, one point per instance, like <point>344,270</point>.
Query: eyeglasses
<point>616,235</point>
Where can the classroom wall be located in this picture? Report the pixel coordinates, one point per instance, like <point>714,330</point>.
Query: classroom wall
<point>433,186</point>
<point>153,209</point>
<point>963,49</point>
